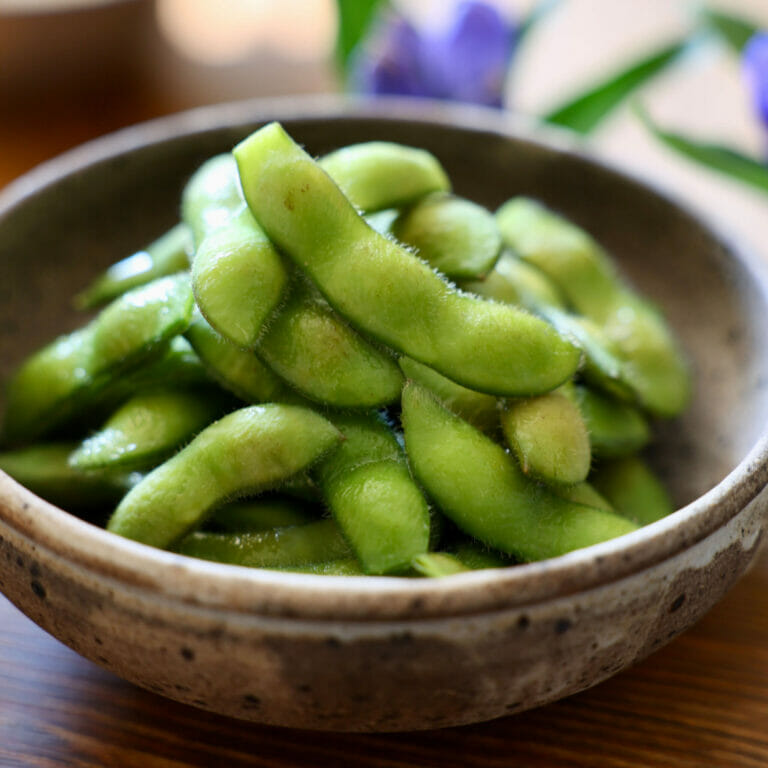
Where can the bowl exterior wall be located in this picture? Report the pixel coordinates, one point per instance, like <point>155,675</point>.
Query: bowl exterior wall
<point>375,676</point>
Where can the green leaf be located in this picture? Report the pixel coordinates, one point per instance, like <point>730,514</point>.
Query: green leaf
<point>713,156</point>
<point>354,19</point>
<point>585,112</point>
<point>734,30</point>
<point>534,16</point>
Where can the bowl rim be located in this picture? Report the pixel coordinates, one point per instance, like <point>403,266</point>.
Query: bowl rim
<point>96,553</point>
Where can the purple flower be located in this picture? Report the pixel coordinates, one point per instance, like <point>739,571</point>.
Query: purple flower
<point>756,65</point>
<point>467,61</point>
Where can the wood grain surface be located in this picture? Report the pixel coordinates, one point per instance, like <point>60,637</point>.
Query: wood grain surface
<point>702,700</point>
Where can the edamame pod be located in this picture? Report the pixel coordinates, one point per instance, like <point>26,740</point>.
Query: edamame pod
<point>261,514</point>
<point>477,408</point>
<point>318,354</point>
<point>374,500</point>
<point>480,487</point>
<point>237,370</point>
<point>576,264</point>
<point>296,546</point>
<point>246,451</point>
<point>456,236</point>
<point>44,390</point>
<point>211,196</point>
<point>381,174</point>
<point>46,471</point>
<point>632,488</point>
<point>165,256</point>
<point>548,436</point>
<point>238,279</point>
<point>438,564</point>
<point>139,323</point>
<point>615,428</point>
<point>515,282</point>
<point>147,428</point>
<point>584,493</point>
<point>653,365</point>
<point>386,291</point>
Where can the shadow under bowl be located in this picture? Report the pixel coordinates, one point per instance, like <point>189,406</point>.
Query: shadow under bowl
<point>386,654</point>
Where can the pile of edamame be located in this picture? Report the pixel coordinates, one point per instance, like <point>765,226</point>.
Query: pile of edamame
<point>339,366</point>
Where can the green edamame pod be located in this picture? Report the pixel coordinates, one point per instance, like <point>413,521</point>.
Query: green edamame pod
<point>388,292</point>
<point>513,281</point>
<point>165,256</point>
<point>237,370</point>
<point>481,488</point>
<point>615,428</point>
<point>653,365</point>
<point>456,236</point>
<point>549,437</point>
<point>438,564</point>
<point>477,408</point>
<point>211,196</point>
<point>45,470</point>
<point>139,323</point>
<point>247,451</point>
<point>584,493</point>
<point>238,278</point>
<point>147,428</point>
<point>299,545</point>
<point>564,252</point>
<point>632,488</point>
<point>262,514</point>
<point>374,500</point>
<point>319,355</point>
<point>380,174</point>
<point>44,390</point>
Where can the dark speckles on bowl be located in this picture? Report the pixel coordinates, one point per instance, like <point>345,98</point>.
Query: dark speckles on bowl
<point>377,653</point>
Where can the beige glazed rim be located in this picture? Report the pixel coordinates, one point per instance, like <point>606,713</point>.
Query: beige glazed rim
<point>106,556</point>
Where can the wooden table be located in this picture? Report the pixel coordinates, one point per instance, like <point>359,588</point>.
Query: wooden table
<point>703,700</point>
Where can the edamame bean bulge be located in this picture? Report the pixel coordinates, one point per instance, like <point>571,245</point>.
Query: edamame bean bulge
<point>479,486</point>
<point>246,451</point>
<point>456,236</point>
<point>237,370</point>
<point>148,427</point>
<point>294,547</point>
<point>380,174</point>
<point>211,196</point>
<point>137,324</point>
<point>318,354</point>
<point>549,437</point>
<point>632,488</point>
<point>370,492</point>
<point>238,279</point>
<point>384,290</point>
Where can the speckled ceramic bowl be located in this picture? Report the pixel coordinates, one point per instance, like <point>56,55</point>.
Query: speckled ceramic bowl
<point>382,653</point>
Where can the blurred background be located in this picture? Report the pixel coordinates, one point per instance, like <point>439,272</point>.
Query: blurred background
<point>71,70</point>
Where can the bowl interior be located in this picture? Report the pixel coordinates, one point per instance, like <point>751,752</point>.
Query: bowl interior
<point>125,191</point>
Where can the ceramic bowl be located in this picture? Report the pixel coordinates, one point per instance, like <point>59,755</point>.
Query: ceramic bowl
<point>384,654</point>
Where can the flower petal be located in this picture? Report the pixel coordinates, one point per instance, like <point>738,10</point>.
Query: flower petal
<point>756,66</point>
